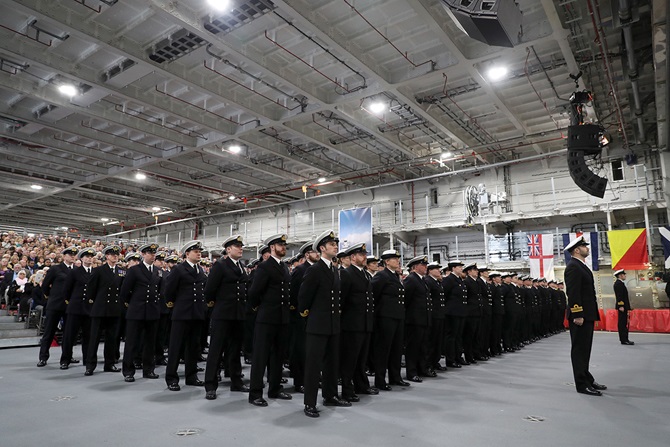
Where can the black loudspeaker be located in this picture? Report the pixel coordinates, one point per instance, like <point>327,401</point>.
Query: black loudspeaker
<point>585,137</point>
<point>582,175</point>
<point>494,22</point>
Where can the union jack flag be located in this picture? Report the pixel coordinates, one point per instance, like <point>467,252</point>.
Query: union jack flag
<point>534,248</point>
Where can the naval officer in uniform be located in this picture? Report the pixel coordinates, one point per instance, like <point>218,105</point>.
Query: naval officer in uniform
<point>184,293</point>
<point>582,315</point>
<point>319,304</point>
<point>622,306</point>
<point>141,294</point>
<point>226,291</point>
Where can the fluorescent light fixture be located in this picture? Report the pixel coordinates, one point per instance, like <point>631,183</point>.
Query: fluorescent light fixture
<point>322,179</point>
<point>156,208</point>
<point>140,176</point>
<point>68,90</point>
<point>378,107</point>
<point>497,73</point>
<point>114,222</point>
<point>446,155</point>
<point>232,197</point>
<point>235,148</point>
<point>36,187</point>
<point>104,219</point>
<point>219,5</point>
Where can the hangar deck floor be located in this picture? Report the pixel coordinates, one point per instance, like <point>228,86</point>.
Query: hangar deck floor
<point>521,399</point>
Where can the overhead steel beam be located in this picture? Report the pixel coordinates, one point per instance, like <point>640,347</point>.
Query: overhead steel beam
<point>97,111</point>
<point>32,155</point>
<point>33,52</point>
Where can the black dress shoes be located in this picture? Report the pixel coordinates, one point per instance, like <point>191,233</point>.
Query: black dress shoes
<point>630,343</point>
<point>401,383</point>
<point>352,398</point>
<point>385,387</point>
<point>335,401</point>
<point>41,363</point>
<point>463,362</point>
<point>416,379</point>
<point>371,391</point>
<point>210,395</point>
<point>88,372</point>
<point>430,373</point>
<point>281,395</point>
<point>472,361</point>
<point>260,402</point>
<point>283,380</point>
<point>599,387</point>
<point>202,359</point>
<point>196,382</point>
<point>150,375</point>
<point>64,366</point>
<point>453,365</point>
<point>112,369</point>
<point>440,368</point>
<point>590,391</point>
<point>174,387</point>
<point>242,387</point>
<point>129,379</point>
<point>311,411</point>
<point>161,362</point>
<point>200,369</point>
<point>299,389</point>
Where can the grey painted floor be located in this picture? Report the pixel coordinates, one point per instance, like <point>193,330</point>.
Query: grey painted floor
<point>479,405</point>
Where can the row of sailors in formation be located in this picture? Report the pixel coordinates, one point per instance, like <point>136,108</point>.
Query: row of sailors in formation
<point>332,325</point>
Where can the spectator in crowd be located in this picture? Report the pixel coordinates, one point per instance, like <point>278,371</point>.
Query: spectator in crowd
<point>20,292</point>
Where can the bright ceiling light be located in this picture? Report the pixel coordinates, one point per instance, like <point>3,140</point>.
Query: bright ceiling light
<point>104,219</point>
<point>36,187</point>
<point>235,149</point>
<point>156,208</point>
<point>232,197</point>
<point>140,176</point>
<point>322,179</point>
<point>68,90</point>
<point>219,5</point>
<point>497,73</point>
<point>446,155</point>
<point>378,107</point>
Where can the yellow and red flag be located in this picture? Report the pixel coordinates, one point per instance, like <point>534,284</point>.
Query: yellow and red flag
<point>629,249</point>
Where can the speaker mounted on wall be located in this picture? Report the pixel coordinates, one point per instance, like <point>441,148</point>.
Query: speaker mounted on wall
<point>494,22</point>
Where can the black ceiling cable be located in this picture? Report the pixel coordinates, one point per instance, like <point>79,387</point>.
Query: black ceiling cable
<point>311,39</point>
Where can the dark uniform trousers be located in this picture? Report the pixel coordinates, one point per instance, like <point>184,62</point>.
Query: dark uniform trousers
<point>134,330</point>
<point>226,336</point>
<point>269,342</point>
<point>470,334</point>
<point>509,330</point>
<point>496,333</point>
<point>73,324</point>
<point>580,354</point>
<point>322,352</point>
<point>50,326</point>
<point>298,326</point>
<point>110,325</point>
<point>354,351</point>
<point>389,337</point>
<point>454,326</point>
<point>184,334</point>
<point>162,336</point>
<point>622,324</point>
<point>415,351</point>
<point>435,342</point>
